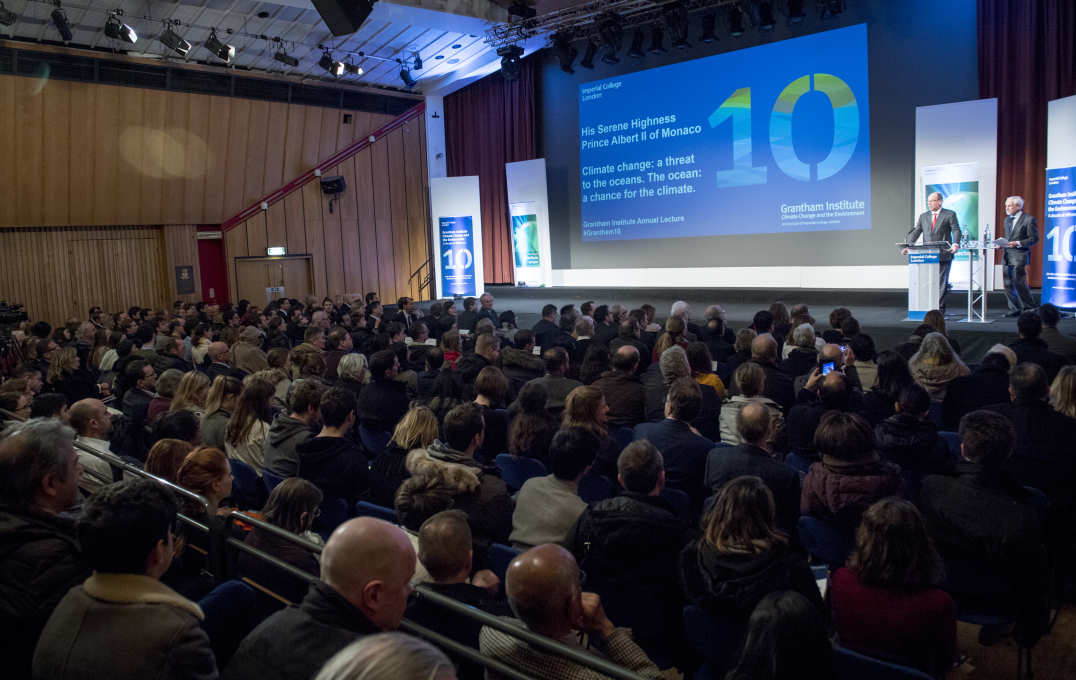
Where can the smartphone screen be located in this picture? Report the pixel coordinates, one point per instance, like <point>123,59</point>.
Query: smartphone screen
<point>827,367</point>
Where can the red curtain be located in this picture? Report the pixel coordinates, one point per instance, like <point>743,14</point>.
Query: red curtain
<point>487,124</point>
<point>1026,58</point>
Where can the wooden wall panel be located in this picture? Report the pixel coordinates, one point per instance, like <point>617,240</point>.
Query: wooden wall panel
<point>235,245</point>
<point>398,210</point>
<point>256,234</point>
<point>417,210</point>
<point>315,235</point>
<point>276,225</point>
<point>181,249</point>
<point>80,154</point>
<point>349,233</point>
<point>383,221</point>
<point>295,223</point>
<point>364,192</point>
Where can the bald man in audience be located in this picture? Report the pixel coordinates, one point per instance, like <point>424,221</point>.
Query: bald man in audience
<point>778,384</point>
<point>92,424</point>
<point>366,570</point>
<point>220,357</point>
<point>544,587</point>
<point>843,360</point>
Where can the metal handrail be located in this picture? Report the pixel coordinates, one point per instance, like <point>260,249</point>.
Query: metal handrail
<point>466,652</point>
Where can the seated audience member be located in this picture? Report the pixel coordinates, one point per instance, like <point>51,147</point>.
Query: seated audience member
<point>748,380</point>
<point>1063,392</point>
<point>702,368</point>
<point>490,389</point>
<point>293,505</point>
<point>219,406</point>
<point>1031,348</point>
<point>1042,453</point>
<point>864,353</point>
<point>582,334</point>
<point>555,382</point>
<point>544,590</point>
<point>935,318</point>
<point>1056,342</point>
<point>332,460</point>
<point>754,456</point>
<point>417,430</point>
<point>143,381</point>
<point>434,361</point>
<point>248,428</point>
<point>741,348</point>
<point>290,429</point>
<point>886,603</point>
<point>165,458</point>
<point>126,536</point>
<point>622,389</point>
<point>893,376</point>
<point>178,425</point>
<point>69,376</point>
<point>674,335</point>
<point>682,448</point>
<point>778,386</point>
<point>718,337</point>
<point>388,656</point>
<point>444,549</point>
<point>595,363</point>
<point>531,427</point>
<point>988,384</point>
<point>167,384</point>
<point>843,360</point>
<point>220,361</point>
<point>785,640</point>
<point>353,373</point>
<point>547,507</point>
<point>803,356</point>
<point>910,439</point>
<point>585,408</point>
<point>191,394</point>
<point>487,352</point>
<point>834,334</point>
<point>821,393</point>
<point>628,336</point>
<point>518,362</point>
<point>546,330</point>
<point>629,545</point>
<point>450,345</point>
<point>987,525</point>
<point>850,476</point>
<point>16,402</point>
<point>366,569</point>
<point>742,556</point>
<point>92,424</point>
<point>206,472</point>
<point>338,344</point>
<point>384,401</point>
<point>448,469</point>
<point>936,365</point>
<point>39,477</point>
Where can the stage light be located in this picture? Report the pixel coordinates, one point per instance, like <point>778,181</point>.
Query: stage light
<point>657,41</point>
<point>796,15</point>
<point>636,49</point>
<point>353,69</point>
<point>566,54</point>
<point>218,49</point>
<point>588,55</point>
<point>285,58</point>
<point>174,42</point>
<point>59,20</point>
<point>675,16</point>
<point>612,34</point>
<point>117,30</point>
<point>510,61</point>
<point>709,26</point>
<point>766,20</point>
<point>405,76</point>
<point>327,62</point>
<point>830,8</point>
<point>7,17</point>
<point>736,21</point>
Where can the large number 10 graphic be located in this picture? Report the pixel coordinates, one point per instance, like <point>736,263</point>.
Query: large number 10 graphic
<point>738,108</point>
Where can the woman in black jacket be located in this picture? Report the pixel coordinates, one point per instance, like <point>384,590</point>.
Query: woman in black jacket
<point>417,430</point>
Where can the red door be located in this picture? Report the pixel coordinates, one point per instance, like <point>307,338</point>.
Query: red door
<point>213,268</point>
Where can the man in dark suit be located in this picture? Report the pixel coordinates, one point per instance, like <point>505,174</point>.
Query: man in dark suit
<point>938,224</point>
<point>1022,232</point>
<point>486,311</point>
<point>406,317</point>
<point>546,330</point>
<point>683,449</point>
<point>1031,348</point>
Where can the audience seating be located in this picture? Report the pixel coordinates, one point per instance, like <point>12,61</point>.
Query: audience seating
<point>229,615</point>
<point>500,556</point>
<point>594,487</point>
<point>824,541</point>
<point>798,463</point>
<point>515,470</point>
<point>717,640</point>
<point>936,413</point>
<point>270,480</point>
<point>680,502</point>
<point>334,512</point>
<point>623,436</point>
<point>849,665</point>
<point>246,487</point>
<point>374,441</point>
<point>365,509</point>
<point>952,439</point>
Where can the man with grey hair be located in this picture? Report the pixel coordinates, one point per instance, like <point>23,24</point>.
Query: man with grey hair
<point>39,476</point>
<point>682,310</point>
<point>935,225</point>
<point>1021,233</point>
<point>778,384</point>
<point>987,385</point>
<point>672,364</point>
<point>802,354</point>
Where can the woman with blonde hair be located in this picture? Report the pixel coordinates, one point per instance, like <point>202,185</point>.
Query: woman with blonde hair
<point>586,409</point>
<point>1063,391</point>
<point>673,335</point>
<point>742,556</point>
<point>935,365</point>
<point>67,376</point>
<point>191,393</point>
<point>244,438</point>
<point>219,404</point>
<point>416,430</point>
<point>166,457</point>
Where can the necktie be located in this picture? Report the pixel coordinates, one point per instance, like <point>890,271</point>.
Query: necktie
<point>934,221</point>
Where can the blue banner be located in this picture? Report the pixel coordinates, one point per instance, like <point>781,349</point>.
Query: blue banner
<point>1059,269</point>
<point>457,255</point>
<point>923,256</point>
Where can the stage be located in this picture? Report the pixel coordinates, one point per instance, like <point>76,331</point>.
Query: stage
<point>880,313</point>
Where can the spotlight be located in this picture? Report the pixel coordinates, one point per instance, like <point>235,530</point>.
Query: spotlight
<point>612,34</point>
<point>588,55</point>
<point>417,66</point>
<point>331,65</point>
<point>796,15</point>
<point>405,76</point>
<point>736,21</point>
<point>636,49</point>
<point>59,20</point>
<point>7,17</point>
<point>220,50</point>
<point>510,61</point>
<point>174,42</point>
<point>766,20</point>
<point>566,54</point>
<point>353,69</point>
<point>285,58</point>
<point>657,41</point>
<point>675,16</point>
<point>709,26</point>
<point>830,8</point>
<point>117,30</point>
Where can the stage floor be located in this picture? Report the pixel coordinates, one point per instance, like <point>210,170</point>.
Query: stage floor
<point>880,313</point>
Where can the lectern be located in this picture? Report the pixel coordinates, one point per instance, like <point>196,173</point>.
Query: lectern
<point>924,278</point>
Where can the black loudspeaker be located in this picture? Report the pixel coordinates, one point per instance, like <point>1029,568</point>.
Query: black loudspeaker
<point>343,17</point>
<point>331,186</point>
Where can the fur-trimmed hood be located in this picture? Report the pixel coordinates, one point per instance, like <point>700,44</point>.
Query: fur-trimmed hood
<point>451,467</point>
<point>137,588</point>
